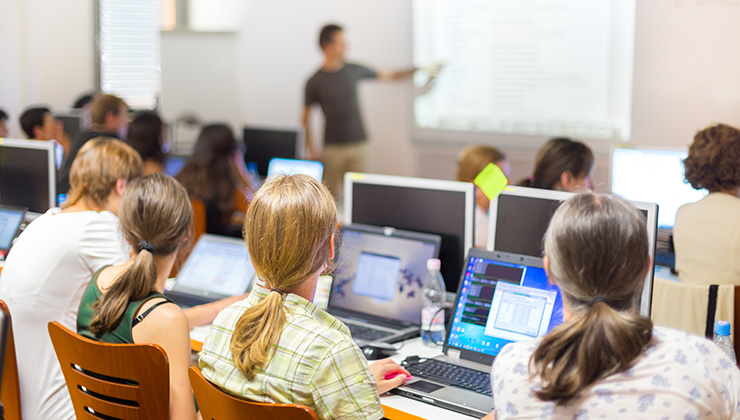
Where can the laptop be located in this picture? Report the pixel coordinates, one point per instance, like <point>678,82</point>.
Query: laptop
<point>218,267</point>
<point>280,166</point>
<point>501,298</point>
<point>11,219</point>
<point>378,281</point>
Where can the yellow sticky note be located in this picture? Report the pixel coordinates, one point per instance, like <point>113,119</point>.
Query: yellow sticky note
<point>491,181</point>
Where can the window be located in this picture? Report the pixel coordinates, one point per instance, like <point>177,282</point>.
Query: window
<point>129,51</point>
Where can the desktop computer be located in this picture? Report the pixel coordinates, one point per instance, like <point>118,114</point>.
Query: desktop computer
<point>262,144</point>
<point>27,174</point>
<point>445,208</point>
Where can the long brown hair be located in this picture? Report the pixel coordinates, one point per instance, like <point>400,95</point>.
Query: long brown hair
<point>208,174</point>
<point>597,247</point>
<point>288,230</point>
<point>156,217</point>
<point>99,164</point>
<point>557,156</point>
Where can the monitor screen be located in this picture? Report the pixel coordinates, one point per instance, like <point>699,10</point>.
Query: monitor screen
<point>73,121</point>
<point>279,166</point>
<point>502,302</point>
<point>10,221</point>
<point>174,164</point>
<point>27,174</point>
<point>217,266</point>
<point>382,273</point>
<point>445,208</point>
<point>263,144</point>
<point>654,176</point>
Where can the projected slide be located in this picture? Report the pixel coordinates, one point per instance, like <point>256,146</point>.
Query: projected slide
<point>547,67</point>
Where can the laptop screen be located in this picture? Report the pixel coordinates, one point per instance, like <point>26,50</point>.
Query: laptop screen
<point>10,220</point>
<point>380,272</point>
<point>501,301</point>
<point>217,266</point>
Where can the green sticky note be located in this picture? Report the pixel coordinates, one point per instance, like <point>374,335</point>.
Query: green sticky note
<point>491,181</point>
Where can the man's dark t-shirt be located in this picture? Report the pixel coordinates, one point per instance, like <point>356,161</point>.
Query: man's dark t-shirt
<point>77,143</point>
<point>336,92</point>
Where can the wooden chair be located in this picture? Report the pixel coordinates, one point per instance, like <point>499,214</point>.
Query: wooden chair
<point>113,381</point>
<point>216,404</point>
<point>10,393</point>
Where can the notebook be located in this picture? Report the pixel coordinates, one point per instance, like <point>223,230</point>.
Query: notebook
<point>11,219</point>
<point>378,282</point>
<point>501,298</point>
<point>218,267</point>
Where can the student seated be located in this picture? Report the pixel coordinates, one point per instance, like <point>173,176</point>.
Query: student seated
<point>39,124</point>
<point>277,346</point>
<point>706,235</point>
<point>562,164</point>
<point>470,162</point>
<point>51,263</point>
<point>216,175</point>
<point>109,119</point>
<point>146,136</point>
<point>125,303</point>
<point>605,360</point>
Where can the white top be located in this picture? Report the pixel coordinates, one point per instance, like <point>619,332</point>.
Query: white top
<point>44,277</point>
<point>707,240</point>
<point>481,228</point>
<point>678,377</point>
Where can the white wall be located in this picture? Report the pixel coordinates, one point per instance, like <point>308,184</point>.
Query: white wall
<point>687,58</point>
<point>47,54</point>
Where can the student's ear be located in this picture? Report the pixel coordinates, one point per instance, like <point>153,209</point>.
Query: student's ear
<point>38,133</point>
<point>121,186</point>
<point>566,180</point>
<point>331,247</point>
<point>546,265</point>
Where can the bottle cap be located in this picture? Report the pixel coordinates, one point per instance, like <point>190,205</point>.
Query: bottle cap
<point>722,328</point>
<point>433,264</point>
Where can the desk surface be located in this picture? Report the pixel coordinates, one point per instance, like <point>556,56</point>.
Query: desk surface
<point>412,347</point>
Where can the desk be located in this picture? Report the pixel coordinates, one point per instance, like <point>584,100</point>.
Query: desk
<point>394,402</point>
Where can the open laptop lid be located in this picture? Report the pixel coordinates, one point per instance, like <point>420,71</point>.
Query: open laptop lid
<point>380,274</point>
<point>10,222</point>
<point>218,267</point>
<point>501,298</point>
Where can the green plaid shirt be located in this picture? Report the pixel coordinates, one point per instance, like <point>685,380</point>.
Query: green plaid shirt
<point>315,363</point>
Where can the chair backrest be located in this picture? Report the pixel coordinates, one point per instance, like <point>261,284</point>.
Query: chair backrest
<point>118,381</point>
<point>215,404</point>
<point>10,392</point>
<point>692,307</point>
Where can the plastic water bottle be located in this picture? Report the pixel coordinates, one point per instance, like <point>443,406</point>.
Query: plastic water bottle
<point>722,339</point>
<point>432,310</point>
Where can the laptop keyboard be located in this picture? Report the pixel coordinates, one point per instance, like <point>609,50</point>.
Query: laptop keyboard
<point>367,334</point>
<point>449,374</point>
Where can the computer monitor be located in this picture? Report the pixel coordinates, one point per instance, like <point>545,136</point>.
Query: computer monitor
<point>519,217</point>
<point>174,164</point>
<point>73,120</point>
<point>280,166</point>
<point>263,144</point>
<point>27,174</point>
<point>653,175</point>
<point>445,208</point>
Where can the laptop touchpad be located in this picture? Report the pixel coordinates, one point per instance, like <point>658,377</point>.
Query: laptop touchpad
<point>424,386</point>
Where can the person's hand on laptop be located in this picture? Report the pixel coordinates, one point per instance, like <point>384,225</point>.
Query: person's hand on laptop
<point>390,369</point>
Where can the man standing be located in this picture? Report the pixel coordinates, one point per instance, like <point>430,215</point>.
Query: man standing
<point>334,88</point>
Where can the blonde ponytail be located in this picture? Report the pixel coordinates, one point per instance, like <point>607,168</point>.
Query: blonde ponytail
<point>597,250</point>
<point>288,228</point>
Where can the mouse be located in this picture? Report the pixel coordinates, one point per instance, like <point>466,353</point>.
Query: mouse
<point>375,351</point>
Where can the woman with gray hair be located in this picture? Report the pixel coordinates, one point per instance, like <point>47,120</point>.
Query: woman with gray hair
<point>605,360</point>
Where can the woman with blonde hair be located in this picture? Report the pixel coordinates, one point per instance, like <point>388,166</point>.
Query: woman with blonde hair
<point>471,160</point>
<point>46,272</point>
<point>276,346</point>
<point>125,303</point>
<point>605,360</point>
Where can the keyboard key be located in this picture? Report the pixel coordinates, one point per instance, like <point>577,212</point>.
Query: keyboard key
<point>360,332</point>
